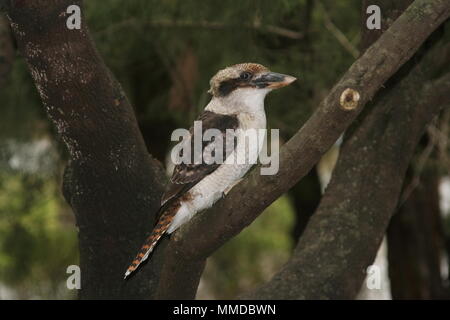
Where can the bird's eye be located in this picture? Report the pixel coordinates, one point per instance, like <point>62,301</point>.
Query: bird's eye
<point>245,76</point>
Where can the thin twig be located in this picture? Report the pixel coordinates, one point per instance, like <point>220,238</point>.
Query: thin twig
<point>287,33</point>
<point>423,159</point>
<point>337,33</point>
<point>441,136</point>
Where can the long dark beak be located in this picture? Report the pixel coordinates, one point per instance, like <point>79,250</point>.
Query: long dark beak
<point>273,80</point>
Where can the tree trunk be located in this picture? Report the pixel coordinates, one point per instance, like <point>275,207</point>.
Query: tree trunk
<point>416,244</point>
<point>111,183</point>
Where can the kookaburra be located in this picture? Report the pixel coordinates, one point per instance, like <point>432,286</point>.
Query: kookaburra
<point>237,102</point>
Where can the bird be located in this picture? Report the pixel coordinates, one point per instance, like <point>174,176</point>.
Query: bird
<point>237,103</point>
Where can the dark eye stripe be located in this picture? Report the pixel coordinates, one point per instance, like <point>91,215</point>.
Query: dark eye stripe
<point>228,86</point>
<point>245,75</point>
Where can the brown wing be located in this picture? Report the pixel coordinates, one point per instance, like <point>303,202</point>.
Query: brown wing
<point>185,176</point>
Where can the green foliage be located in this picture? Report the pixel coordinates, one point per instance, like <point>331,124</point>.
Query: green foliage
<point>36,246</point>
<point>22,116</point>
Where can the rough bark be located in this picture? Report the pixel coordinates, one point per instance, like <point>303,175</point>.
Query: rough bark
<point>208,231</point>
<point>112,183</point>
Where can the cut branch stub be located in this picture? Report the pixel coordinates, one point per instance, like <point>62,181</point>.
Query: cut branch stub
<point>349,99</point>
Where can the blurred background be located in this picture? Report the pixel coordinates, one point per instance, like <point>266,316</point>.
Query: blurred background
<point>164,53</point>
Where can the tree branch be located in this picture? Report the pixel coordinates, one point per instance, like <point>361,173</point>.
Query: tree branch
<point>208,231</point>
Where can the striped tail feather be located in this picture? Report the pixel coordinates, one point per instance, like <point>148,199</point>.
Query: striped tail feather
<point>150,243</point>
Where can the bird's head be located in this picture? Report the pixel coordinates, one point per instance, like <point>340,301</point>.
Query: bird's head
<point>246,84</point>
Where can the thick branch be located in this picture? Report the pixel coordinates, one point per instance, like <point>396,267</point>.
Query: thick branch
<point>245,202</point>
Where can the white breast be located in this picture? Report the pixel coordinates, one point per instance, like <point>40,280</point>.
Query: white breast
<point>211,188</point>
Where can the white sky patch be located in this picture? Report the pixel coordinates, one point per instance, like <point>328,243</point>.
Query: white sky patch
<point>444,195</point>
<point>37,156</point>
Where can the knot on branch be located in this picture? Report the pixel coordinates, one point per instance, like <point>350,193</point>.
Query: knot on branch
<point>349,99</point>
